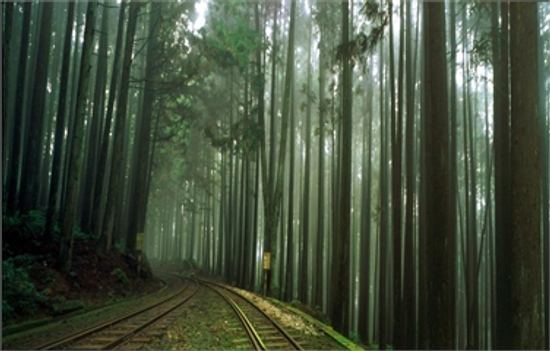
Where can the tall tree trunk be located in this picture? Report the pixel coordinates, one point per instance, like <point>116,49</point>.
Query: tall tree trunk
<point>75,155</point>
<point>503,240</point>
<point>409,298</point>
<point>545,153</point>
<point>365,250</point>
<point>526,267</point>
<point>472,295</point>
<point>51,214</point>
<point>319,286</point>
<point>304,254</point>
<point>6,47</point>
<point>138,209</point>
<point>117,164</point>
<point>384,216</point>
<point>396,145</point>
<point>97,217</point>
<point>97,116</point>
<point>340,282</point>
<point>439,226</point>
<point>272,203</point>
<point>289,276</point>
<point>453,174</point>
<point>16,148</point>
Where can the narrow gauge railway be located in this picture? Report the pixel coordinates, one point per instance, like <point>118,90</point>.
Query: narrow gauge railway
<point>132,329</point>
<point>264,332</point>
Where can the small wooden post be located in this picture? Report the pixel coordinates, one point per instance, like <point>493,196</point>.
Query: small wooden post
<point>267,267</point>
<point>139,247</point>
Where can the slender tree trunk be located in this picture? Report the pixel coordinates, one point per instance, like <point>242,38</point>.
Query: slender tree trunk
<point>384,216</point>
<point>97,116</point>
<point>138,209</point>
<point>75,156</point>
<point>289,278</point>
<point>16,148</point>
<point>51,214</point>
<point>545,150</point>
<point>409,305</point>
<point>503,240</point>
<point>272,203</point>
<point>6,47</point>
<point>103,153</point>
<point>117,163</point>
<point>365,250</point>
<point>340,282</point>
<point>318,295</point>
<point>304,256</point>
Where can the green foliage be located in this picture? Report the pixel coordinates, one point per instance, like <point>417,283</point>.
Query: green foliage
<point>79,234</point>
<point>275,290</point>
<point>28,226</point>
<point>121,275</point>
<point>354,336</point>
<point>232,43</point>
<point>67,306</point>
<point>120,245</point>
<point>324,319</point>
<point>295,303</point>
<point>364,43</point>
<point>19,295</point>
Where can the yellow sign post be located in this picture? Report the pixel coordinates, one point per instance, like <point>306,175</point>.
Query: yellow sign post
<point>267,268</point>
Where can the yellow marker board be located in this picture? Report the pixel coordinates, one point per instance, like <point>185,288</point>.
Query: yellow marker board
<point>267,261</point>
<point>139,241</point>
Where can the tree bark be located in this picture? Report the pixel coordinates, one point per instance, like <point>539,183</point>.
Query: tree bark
<point>16,154</point>
<point>138,209</point>
<point>526,262</point>
<point>75,155</point>
<point>117,163</point>
<point>51,214</point>
<point>340,281</point>
<point>439,226</point>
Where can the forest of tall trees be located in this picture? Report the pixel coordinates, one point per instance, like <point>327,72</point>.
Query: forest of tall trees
<point>390,159</point>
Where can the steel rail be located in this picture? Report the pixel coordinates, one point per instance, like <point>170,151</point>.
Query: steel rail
<point>136,330</point>
<point>80,335</point>
<point>248,326</point>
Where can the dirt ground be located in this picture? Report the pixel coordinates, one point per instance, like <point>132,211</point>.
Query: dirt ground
<point>93,280</point>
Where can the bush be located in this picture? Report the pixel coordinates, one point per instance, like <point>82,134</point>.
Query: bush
<point>19,295</point>
<point>29,225</point>
<point>354,336</point>
<point>119,273</point>
<point>295,303</point>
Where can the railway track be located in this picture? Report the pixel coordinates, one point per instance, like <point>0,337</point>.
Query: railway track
<point>263,332</point>
<point>130,330</point>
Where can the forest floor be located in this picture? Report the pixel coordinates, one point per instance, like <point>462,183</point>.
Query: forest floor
<point>35,291</point>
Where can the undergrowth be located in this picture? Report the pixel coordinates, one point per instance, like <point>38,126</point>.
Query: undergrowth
<point>19,295</point>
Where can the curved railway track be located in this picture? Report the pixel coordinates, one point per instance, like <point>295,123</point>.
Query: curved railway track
<point>121,331</point>
<point>264,333</point>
